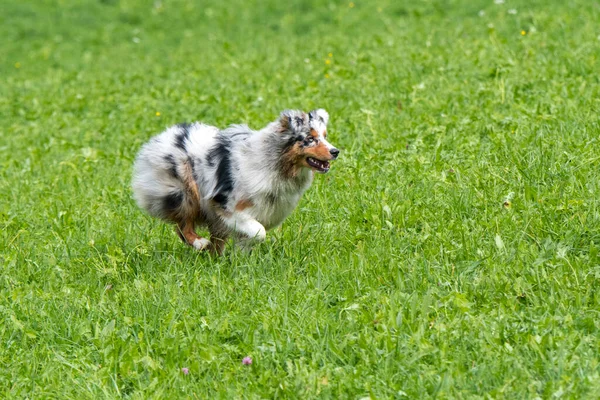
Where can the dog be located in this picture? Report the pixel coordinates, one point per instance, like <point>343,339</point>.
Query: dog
<point>236,181</point>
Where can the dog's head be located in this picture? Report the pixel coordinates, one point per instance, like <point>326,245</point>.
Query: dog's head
<point>306,142</point>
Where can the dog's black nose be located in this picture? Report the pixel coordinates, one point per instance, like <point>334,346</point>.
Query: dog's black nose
<point>334,152</point>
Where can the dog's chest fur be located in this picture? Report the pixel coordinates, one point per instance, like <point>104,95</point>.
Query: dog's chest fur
<point>271,211</point>
<point>270,207</point>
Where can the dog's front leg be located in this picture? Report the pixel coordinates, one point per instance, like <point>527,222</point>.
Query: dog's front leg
<point>246,226</point>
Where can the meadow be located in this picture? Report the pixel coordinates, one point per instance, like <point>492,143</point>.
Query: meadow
<point>451,251</point>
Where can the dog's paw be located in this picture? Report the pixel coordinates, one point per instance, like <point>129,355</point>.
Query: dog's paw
<point>256,231</point>
<point>201,244</point>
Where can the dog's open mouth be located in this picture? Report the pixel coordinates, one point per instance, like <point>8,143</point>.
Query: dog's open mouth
<point>320,166</point>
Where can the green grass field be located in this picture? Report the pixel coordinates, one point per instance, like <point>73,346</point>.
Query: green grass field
<point>451,252</point>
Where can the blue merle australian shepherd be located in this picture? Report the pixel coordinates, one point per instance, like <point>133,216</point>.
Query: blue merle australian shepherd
<point>237,182</point>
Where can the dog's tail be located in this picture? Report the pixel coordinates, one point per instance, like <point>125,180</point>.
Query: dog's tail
<point>164,181</point>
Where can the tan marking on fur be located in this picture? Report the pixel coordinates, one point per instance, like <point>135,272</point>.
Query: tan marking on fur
<point>243,204</point>
<point>292,160</point>
<point>320,152</point>
<point>190,184</point>
<point>186,232</point>
<point>189,210</point>
<point>314,133</point>
<point>219,210</point>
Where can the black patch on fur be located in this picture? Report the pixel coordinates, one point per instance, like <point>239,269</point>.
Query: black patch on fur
<point>221,199</point>
<point>172,201</point>
<point>181,137</point>
<point>221,155</point>
<point>172,166</point>
<point>210,161</point>
<point>292,140</point>
<point>211,157</point>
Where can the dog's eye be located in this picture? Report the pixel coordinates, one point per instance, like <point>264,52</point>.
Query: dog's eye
<point>310,139</point>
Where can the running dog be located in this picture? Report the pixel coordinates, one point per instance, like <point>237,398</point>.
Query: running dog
<point>237,181</point>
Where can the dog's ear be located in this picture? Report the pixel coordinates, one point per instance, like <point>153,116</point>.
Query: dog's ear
<point>319,114</point>
<point>292,120</point>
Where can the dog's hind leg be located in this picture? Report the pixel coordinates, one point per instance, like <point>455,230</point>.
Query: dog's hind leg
<point>217,245</point>
<point>218,240</point>
<point>188,235</point>
<point>190,211</point>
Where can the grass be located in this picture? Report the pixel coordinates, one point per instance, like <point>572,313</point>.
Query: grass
<point>451,252</point>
